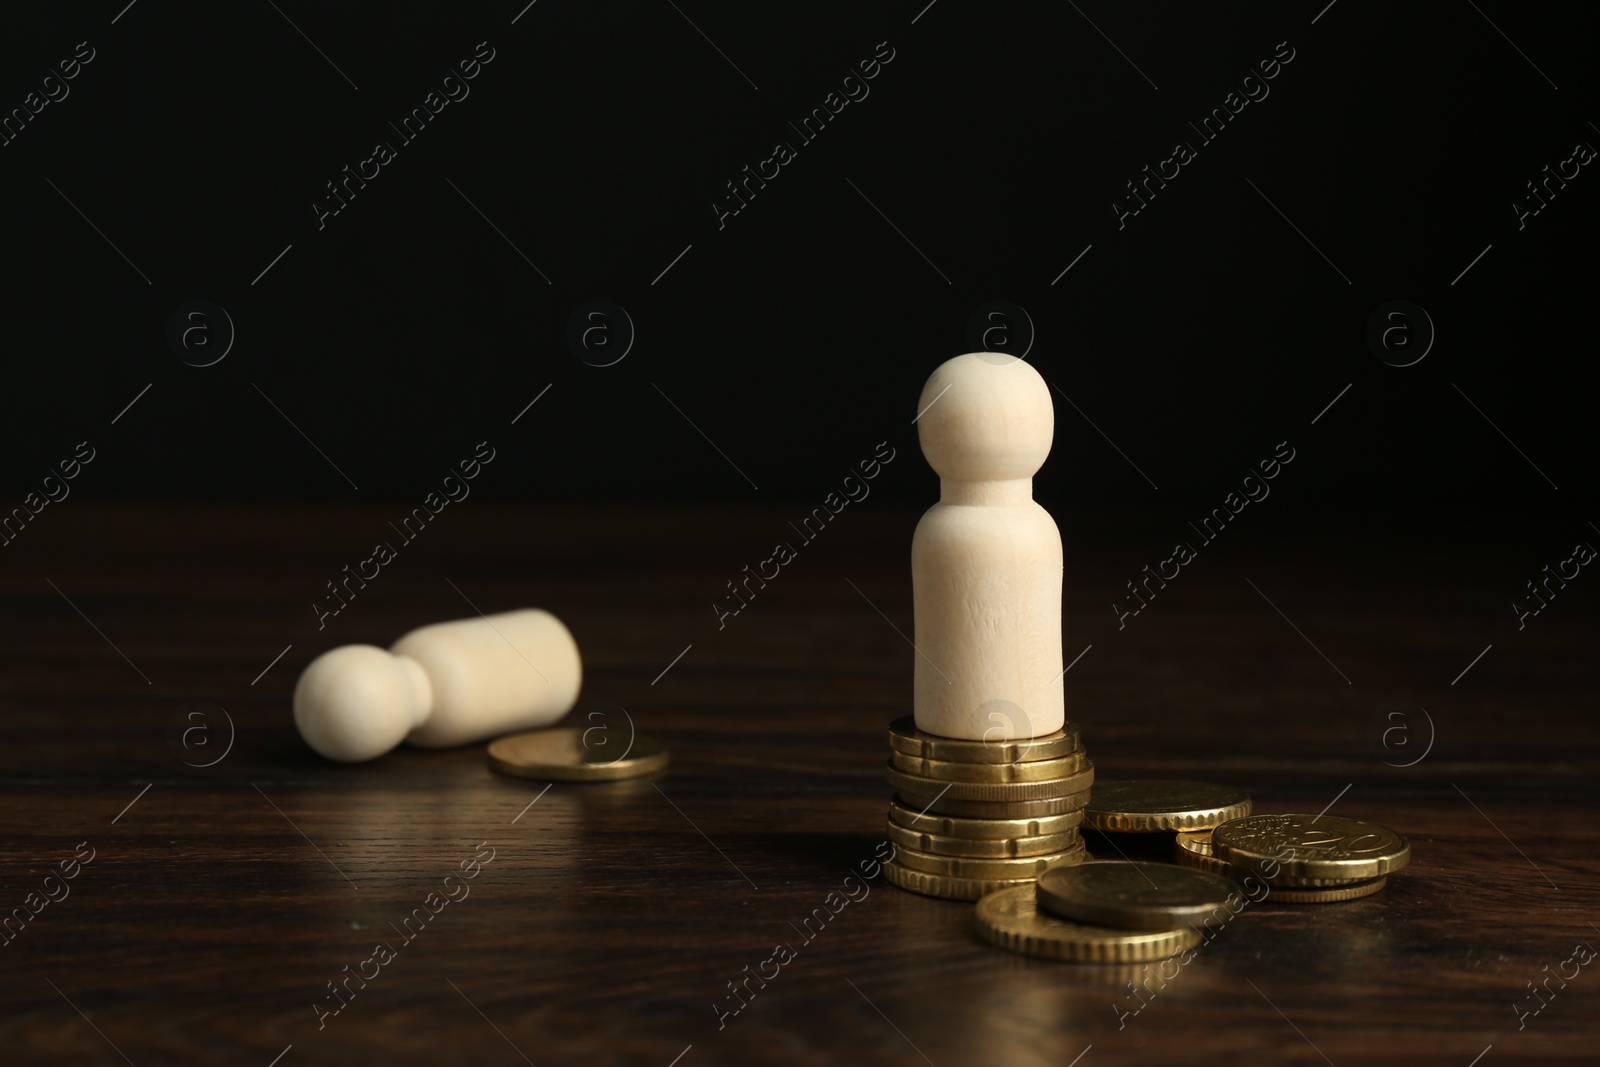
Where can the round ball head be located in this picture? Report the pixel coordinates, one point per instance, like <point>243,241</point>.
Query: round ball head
<point>357,702</point>
<point>986,416</point>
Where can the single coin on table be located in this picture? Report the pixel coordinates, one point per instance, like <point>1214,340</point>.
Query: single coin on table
<point>982,847</point>
<point>1029,771</point>
<point>1132,895</point>
<point>1331,894</point>
<point>560,755</point>
<point>939,803</point>
<point>1010,918</point>
<point>905,737</point>
<point>978,868</point>
<point>939,885</point>
<point>1149,805</point>
<point>993,792</point>
<point>982,829</point>
<point>1307,850</point>
<point>1192,848</point>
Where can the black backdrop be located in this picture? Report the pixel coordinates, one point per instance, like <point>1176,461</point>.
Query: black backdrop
<point>984,160</point>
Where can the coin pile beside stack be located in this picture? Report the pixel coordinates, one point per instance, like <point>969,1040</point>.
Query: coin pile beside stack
<point>1105,911</point>
<point>973,816</point>
<point>1123,911</point>
<point>1306,859</point>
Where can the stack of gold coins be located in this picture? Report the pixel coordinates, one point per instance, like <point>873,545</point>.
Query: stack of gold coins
<point>1303,859</point>
<point>973,816</point>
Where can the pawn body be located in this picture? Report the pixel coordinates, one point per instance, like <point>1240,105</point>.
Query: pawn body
<point>440,685</point>
<point>986,561</point>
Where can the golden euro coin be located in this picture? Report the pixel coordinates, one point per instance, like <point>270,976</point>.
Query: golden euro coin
<point>980,869</point>
<point>1192,848</point>
<point>938,885</point>
<point>1133,895</point>
<point>560,755</point>
<point>940,802</point>
<point>1030,771</point>
<point>1153,804</point>
<point>905,737</point>
<point>981,829</point>
<point>1011,919</point>
<point>1326,894</point>
<point>1294,881</point>
<point>981,847</point>
<point>993,792</point>
<point>1327,847</point>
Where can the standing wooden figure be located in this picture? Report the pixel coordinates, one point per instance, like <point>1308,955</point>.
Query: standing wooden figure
<point>986,560</point>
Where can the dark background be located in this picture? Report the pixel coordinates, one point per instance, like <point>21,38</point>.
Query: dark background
<point>1228,316</point>
<point>798,336</point>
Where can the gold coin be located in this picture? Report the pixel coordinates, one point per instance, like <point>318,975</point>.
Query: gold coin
<point>1001,792</point>
<point>1011,919</point>
<point>1030,771</point>
<point>1328,894</point>
<point>982,848</point>
<point>1153,804</point>
<point>978,868</point>
<point>1282,847</point>
<point>1292,881</point>
<point>938,885</point>
<point>981,829</point>
<point>1132,895</point>
<point>905,737</point>
<point>990,809</point>
<point>560,755</point>
<point>1192,848</point>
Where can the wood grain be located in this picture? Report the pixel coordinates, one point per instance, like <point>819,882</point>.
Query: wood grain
<point>611,917</point>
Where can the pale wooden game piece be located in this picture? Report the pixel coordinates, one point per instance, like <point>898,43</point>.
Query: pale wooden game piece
<point>986,561</point>
<point>439,685</point>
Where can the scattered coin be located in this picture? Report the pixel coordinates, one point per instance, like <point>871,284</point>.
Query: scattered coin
<point>1132,895</point>
<point>1297,847</point>
<point>1326,894</point>
<point>560,755</point>
<point>938,885</point>
<point>977,868</point>
<point>1011,919</point>
<point>1001,792</point>
<point>1293,881</point>
<point>905,737</point>
<point>1154,804</point>
<point>1192,848</point>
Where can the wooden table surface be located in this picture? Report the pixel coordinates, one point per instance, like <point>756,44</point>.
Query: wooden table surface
<point>221,901</point>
